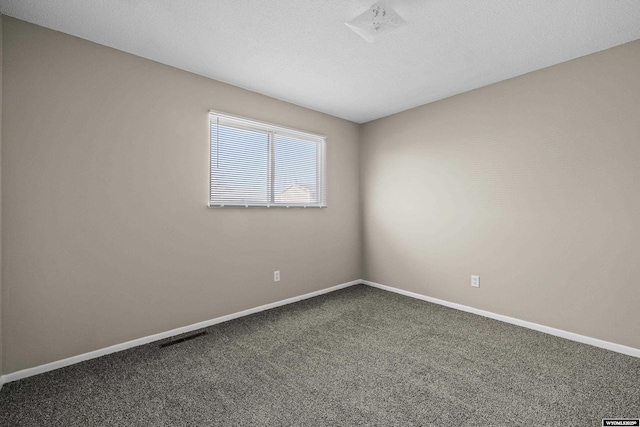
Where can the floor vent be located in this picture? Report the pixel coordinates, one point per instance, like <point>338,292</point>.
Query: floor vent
<point>183,339</point>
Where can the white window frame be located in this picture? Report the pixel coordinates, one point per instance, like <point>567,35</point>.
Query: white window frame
<point>216,117</point>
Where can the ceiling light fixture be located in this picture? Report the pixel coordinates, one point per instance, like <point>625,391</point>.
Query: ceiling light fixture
<point>375,22</point>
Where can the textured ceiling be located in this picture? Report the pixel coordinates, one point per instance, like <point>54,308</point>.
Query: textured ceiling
<point>300,50</point>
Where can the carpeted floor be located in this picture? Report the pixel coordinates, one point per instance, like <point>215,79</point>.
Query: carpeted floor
<point>359,356</point>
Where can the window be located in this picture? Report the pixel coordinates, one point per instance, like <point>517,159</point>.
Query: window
<point>259,164</point>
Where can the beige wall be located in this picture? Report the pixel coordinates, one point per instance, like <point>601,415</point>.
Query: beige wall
<point>107,235</point>
<point>532,183</point>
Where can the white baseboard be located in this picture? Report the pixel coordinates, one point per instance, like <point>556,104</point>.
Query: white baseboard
<point>14,376</point>
<point>630,351</point>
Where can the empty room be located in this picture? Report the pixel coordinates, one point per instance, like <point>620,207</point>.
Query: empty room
<point>319,213</point>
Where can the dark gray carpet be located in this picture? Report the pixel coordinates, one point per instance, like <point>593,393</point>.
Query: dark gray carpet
<point>359,356</point>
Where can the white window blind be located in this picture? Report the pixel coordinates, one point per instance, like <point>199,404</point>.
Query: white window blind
<point>260,164</point>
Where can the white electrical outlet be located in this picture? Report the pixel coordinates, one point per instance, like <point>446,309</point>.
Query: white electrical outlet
<point>475,281</point>
<point>276,276</point>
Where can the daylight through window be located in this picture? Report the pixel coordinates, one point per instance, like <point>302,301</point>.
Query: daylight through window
<point>259,164</point>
